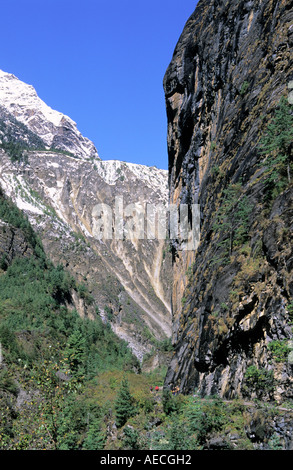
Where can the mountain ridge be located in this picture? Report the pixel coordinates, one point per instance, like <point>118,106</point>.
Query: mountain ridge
<point>53,127</point>
<point>58,181</point>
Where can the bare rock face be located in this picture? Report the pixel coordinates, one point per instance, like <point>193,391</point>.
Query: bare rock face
<point>231,66</point>
<point>57,178</point>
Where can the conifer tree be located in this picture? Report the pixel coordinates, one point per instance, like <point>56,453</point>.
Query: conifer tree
<point>75,352</point>
<point>124,405</point>
<point>277,145</point>
<point>95,438</point>
<point>232,218</point>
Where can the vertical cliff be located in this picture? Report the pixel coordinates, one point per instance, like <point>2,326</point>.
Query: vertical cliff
<point>232,298</point>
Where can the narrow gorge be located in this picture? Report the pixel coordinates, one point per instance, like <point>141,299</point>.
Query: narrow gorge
<point>123,342</point>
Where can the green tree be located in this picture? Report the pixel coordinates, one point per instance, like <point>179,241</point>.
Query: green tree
<point>276,144</point>
<point>75,353</point>
<point>205,417</point>
<point>171,404</point>
<point>124,405</point>
<point>232,219</point>
<point>179,436</point>
<point>131,437</point>
<point>95,438</point>
<point>59,283</point>
<point>54,392</point>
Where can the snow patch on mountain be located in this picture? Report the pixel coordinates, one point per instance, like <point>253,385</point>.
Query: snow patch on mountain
<point>54,128</point>
<point>112,171</point>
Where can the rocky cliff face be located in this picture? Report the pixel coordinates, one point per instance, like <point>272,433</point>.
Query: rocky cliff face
<point>55,176</point>
<point>12,244</point>
<point>231,298</point>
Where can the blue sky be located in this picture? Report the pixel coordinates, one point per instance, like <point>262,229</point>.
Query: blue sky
<point>102,63</point>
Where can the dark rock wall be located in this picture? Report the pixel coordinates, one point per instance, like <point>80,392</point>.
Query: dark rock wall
<point>232,64</point>
<point>13,244</point>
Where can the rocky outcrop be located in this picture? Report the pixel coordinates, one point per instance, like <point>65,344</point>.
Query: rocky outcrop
<point>13,244</point>
<point>231,66</point>
<point>62,185</point>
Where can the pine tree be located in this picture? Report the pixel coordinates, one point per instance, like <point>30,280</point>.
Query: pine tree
<point>124,405</point>
<point>75,353</point>
<point>96,437</point>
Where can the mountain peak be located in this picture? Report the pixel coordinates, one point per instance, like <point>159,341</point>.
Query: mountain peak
<point>53,127</point>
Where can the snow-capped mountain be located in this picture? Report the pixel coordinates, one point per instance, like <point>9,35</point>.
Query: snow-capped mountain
<point>54,128</point>
<point>57,179</point>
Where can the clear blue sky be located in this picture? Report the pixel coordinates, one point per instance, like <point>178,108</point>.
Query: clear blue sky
<point>102,63</point>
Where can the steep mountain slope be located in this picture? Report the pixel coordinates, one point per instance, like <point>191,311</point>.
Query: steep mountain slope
<point>55,175</point>
<point>232,298</point>
<point>49,356</point>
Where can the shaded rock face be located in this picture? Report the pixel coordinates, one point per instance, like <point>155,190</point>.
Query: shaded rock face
<point>59,183</point>
<point>232,64</point>
<point>13,244</point>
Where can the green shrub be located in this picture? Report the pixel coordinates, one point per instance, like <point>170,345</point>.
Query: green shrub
<point>7,383</point>
<point>206,417</point>
<point>244,88</point>
<point>260,381</point>
<point>171,404</point>
<point>131,438</point>
<point>9,343</point>
<point>279,350</point>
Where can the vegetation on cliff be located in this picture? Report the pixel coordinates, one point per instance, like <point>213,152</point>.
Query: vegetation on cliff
<point>68,383</point>
<point>230,150</point>
<point>277,147</point>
